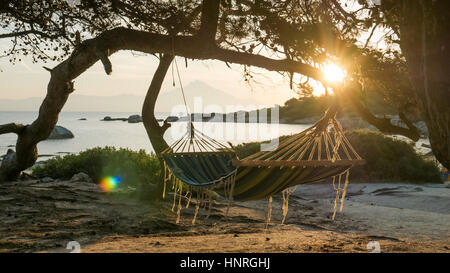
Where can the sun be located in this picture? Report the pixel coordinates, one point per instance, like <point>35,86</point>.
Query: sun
<point>333,73</point>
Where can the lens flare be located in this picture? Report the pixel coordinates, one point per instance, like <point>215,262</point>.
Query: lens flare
<point>109,183</point>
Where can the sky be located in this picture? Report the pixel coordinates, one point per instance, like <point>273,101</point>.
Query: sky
<point>132,73</point>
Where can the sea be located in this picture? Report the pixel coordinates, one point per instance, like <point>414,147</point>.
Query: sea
<point>93,132</point>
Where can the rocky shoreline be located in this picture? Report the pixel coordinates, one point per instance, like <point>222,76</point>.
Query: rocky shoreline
<point>347,122</point>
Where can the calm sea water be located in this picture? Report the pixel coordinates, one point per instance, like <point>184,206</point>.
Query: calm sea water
<point>96,133</point>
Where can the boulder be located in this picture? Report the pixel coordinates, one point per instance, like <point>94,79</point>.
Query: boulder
<point>423,129</point>
<point>172,119</point>
<point>108,118</point>
<point>447,184</point>
<point>134,119</point>
<point>81,177</point>
<point>60,132</point>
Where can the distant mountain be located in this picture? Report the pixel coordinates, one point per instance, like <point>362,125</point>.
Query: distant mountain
<point>200,98</point>
<point>210,97</point>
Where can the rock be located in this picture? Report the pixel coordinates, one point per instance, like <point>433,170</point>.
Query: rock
<point>60,132</point>
<point>447,184</point>
<point>47,180</point>
<point>81,177</point>
<point>108,118</point>
<point>426,145</point>
<point>423,129</point>
<point>172,119</point>
<point>134,119</point>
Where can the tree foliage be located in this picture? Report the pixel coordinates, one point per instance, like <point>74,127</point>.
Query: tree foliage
<point>313,32</point>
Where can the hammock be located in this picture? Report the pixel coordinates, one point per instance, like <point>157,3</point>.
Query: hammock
<point>320,152</point>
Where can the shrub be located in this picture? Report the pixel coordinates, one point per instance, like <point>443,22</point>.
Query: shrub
<point>246,149</point>
<point>390,159</point>
<point>133,168</point>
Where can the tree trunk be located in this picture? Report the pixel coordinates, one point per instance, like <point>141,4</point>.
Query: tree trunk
<point>156,132</point>
<point>425,42</point>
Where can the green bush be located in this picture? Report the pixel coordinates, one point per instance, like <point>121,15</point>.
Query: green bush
<point>246,149</point>
<point>133,168</point>
<point>390,159</point>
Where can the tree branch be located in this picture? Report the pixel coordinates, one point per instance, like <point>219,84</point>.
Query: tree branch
<point>27,32</point>
<point>209,19</point>
<point>192,47</point>
<point>11,128</point>
<point>382,124</point>
<point>103,56</point>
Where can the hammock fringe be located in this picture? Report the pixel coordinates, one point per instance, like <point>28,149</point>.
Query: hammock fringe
<point>204,195</point>
<point>286,194</point>
<point>269,212</point>
<point>340,191</point>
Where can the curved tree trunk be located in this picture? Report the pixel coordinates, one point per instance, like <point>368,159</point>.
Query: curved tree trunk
<point>156,132</point>
<point>425,42</point>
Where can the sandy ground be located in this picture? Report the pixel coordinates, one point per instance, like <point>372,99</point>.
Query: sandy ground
<point>44,217</point>
<point>397,217</point>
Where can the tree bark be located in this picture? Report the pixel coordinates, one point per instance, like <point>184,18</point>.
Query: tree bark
<point>209,20</point>
<point>156,132</point>
<point>425,42</point>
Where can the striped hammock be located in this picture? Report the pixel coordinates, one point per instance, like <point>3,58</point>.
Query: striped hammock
<point>320,152</point>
